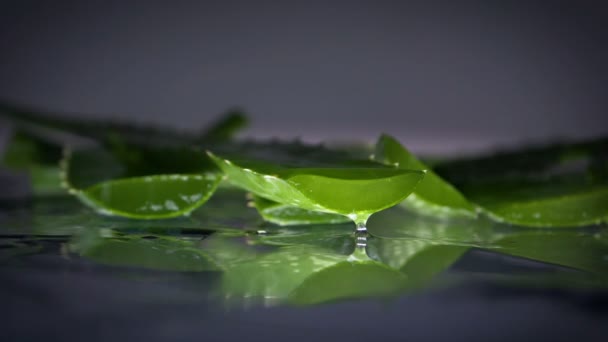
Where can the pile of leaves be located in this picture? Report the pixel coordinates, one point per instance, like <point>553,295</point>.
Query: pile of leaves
<point>148,173</point>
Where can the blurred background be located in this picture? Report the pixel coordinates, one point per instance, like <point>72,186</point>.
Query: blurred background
<point>442,76</point>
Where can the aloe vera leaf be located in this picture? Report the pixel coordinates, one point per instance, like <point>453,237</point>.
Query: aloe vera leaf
<point>38,158</point>
<point>566,202</point>
<point>132,132</point>
<point>354,192</point>
<point>564,185</point>
<point>284,214</point>
<point>224,128</point>
<point>144,160</point>
<point>145,197</point>
<point>521,163</point>
<point>433,195</point>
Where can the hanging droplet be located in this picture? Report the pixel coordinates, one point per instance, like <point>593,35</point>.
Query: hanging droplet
<point>361,227</point>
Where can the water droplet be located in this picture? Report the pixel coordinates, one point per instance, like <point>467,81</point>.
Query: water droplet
<point>361,227</point>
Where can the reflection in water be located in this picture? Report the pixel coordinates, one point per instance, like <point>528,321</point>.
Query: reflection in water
<point>302,265</point>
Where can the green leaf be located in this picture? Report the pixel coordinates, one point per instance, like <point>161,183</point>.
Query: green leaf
<point>356,192</point>
<point>147,197</point>
<point>550,203</point>
<point>433,195</point>
<point>284,214</point>
<point>521,164</point>
<point>133,133</point>
<point>564,185</point>
<point>28,153</point>
<point>225,128</point>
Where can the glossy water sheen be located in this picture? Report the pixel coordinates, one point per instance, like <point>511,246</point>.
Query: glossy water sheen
<point>215,274</point>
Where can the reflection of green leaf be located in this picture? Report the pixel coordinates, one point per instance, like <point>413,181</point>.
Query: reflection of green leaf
<point>355,192</point>
<point>284,214</point>
<point>153,252</point>
<point>579,250</point>
<point>337,238</point>
<point>433,195</point>
<point>277,274</point>
<point>403,223</point>
<point>147,197</point>
<point>309,275</point>
<point>348,280</point>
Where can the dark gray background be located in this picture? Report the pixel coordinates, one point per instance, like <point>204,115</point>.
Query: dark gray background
<point>442,76</point>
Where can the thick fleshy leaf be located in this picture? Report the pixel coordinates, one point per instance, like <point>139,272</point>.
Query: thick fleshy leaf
<point>551,203</point>
<point>562,185</point>
<point>525,163</point>
<point>356,192</point>
<point>146,197</point>
<point>139,134</point>
<point>28,153</point>
<point>285,214</point>
<point>433,195</point>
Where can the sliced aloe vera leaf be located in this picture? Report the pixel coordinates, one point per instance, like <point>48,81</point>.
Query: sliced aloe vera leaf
<point>151,197</point>
<point>433,195</point>
<point>146,197</point>
<point>352,191</point>
<point>285,215</point>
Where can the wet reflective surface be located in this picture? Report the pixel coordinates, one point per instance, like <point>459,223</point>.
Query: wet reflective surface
<point>224,274</point>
